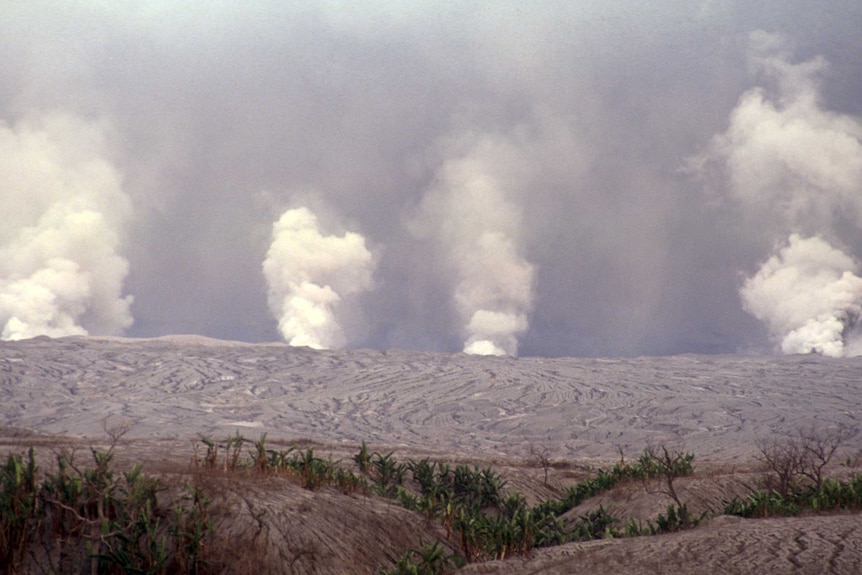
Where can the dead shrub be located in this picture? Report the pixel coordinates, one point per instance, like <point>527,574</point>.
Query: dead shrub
<point>799,459</point>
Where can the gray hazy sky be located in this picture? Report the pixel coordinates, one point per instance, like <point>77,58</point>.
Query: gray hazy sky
<point>601,178</point>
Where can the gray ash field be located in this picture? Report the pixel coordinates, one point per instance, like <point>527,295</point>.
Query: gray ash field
<point>715,406</point>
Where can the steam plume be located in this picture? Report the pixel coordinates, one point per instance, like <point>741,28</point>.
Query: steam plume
<point>309,274</point>
<point>479,228</point>
<point>808,296</point>
<point>793,167</point>
<point>63,208</point>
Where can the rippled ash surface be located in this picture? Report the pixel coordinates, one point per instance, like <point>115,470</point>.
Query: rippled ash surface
<point>180,386</point>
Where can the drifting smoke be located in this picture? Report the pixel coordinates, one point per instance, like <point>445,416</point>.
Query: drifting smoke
<point>796,167</point>
<point>808,295</point>
<point>478,226</point>
<point>63,207</point>
<point>309,274</point>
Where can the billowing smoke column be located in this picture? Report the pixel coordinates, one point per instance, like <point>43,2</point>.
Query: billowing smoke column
<point>478,227</point>
<point>808,295</point>
<point>63,208</point>
<point>793,167</point>
<point>309,274</point>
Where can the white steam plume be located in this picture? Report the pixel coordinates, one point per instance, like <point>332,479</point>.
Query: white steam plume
<point>62,209</point>
<point>309,274</point>
<point>479,228</point>
<point>795,167</point>
<point>808,296</point>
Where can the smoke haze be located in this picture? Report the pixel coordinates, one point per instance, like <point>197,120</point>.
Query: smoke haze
<point>512,178</point>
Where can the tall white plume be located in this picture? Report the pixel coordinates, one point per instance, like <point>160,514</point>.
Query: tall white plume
<point>309,274</point>
<point>63,210</point>
<point>477,224</point>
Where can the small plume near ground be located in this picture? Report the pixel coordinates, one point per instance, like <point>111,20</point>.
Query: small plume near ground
<point>809,297</point>
<point>309,274</point>
<point>494,295</point>
<point>61,271</point>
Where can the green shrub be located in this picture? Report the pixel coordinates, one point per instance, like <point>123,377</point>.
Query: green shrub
<point>677,518</point>
<point>428,560</point>
<point>19,512</point>
<point>829,495</point>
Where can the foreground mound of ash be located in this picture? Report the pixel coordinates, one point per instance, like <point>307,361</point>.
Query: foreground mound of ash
<point>239,505</point>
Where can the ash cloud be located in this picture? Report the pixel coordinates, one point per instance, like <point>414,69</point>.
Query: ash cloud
<point>61,267</point>
<point>531,149</point>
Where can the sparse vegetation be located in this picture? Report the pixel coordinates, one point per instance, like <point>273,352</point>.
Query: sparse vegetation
<point>830,495</point>
<point>94,516</point>
<point>484,522</point>
<point>96,519</point>
<point>795,479</point>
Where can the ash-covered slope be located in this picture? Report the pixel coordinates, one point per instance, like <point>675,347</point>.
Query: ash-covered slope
<point>714,406</point>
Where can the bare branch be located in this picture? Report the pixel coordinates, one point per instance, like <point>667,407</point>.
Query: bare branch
<point>116,430</point>
<point>792,460</point>
<point>541,457</point>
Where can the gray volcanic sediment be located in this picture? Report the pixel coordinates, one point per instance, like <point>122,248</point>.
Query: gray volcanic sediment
<point>715,406</point>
